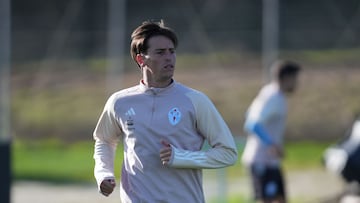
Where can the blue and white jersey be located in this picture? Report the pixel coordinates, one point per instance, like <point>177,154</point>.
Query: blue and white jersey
<point>268,111</point>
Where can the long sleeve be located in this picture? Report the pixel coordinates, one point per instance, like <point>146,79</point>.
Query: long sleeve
<point>256,128</point>
<point>210,124</point>
<point>106,135</point>
<point>104,161</point>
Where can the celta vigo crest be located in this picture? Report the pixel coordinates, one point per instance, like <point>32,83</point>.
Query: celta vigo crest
<point>174,116</point>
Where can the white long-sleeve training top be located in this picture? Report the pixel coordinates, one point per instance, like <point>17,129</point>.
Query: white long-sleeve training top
<point>141,117</point>
<point>269,109</point>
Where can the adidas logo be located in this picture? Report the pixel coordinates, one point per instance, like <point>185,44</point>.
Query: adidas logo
<point>130,112</point>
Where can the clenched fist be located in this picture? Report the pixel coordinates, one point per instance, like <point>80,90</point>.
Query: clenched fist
<point>107,186</point>
<point>165,152</point>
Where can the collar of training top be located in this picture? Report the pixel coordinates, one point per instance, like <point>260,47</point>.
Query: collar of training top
<point>157,90</point>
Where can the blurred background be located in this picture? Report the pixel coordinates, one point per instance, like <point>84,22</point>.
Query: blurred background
<point>68,56</point>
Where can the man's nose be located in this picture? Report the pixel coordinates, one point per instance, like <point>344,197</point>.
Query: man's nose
<point>169,55</point>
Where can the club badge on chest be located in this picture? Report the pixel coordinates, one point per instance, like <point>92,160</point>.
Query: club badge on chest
<point>174,116</point>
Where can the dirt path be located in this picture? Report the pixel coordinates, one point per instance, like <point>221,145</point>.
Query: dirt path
<point>309,186</point>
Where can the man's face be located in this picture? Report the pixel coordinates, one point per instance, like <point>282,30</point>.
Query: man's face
<point>160,59</point>
<point>289,84</point>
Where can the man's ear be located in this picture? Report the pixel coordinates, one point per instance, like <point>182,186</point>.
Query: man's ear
<point>140,59</point>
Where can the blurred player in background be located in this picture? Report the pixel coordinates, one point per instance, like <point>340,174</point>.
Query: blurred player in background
<point>265,126</point>
<point>163,125</point>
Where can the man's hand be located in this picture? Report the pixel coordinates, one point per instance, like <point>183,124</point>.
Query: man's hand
<point>276,151</point>
<point>165,152</point>
<point>107,186</point>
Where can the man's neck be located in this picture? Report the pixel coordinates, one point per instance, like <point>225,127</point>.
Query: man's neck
<point>157,84</point>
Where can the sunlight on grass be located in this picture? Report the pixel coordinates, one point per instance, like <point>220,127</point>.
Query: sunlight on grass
<point>300,155</point>
<point>54,161</point>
